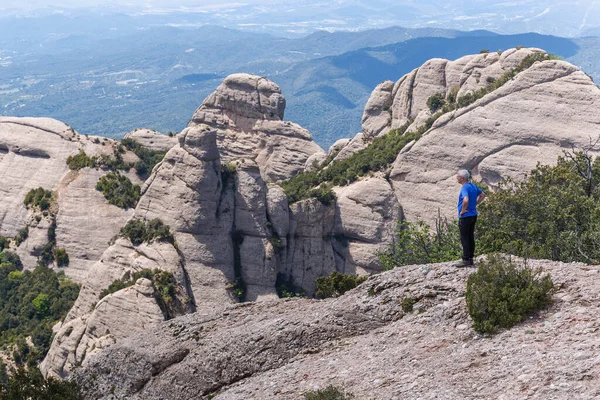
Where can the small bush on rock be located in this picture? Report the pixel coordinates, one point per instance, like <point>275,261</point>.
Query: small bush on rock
<point>329,393</point>
<point>337,284</point>
<point>119,190</point>
<point>39,198</point>
<point>61,257</point>
<point>148,158</point>
<point>81,160</point>
<point>139,231</point>
<point>501,294</point>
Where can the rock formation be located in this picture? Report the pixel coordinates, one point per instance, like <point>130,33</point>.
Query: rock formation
<point>247,112</point>
<point>236,237</point>
<point>365,343</point>
<point>33,153</point>
<point>532,118</point>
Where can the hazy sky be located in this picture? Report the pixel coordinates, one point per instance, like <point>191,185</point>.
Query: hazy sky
<point>33,4</point>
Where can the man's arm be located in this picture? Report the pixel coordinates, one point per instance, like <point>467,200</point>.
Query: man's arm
<point>480,197</point>
<point>465,203</point>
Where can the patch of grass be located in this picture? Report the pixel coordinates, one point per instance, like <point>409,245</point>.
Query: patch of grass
<point>329,393</point>
<point>408,303</point>
<point>500,294</point>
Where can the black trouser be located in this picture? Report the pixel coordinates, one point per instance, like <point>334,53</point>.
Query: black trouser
<point>466,226</point>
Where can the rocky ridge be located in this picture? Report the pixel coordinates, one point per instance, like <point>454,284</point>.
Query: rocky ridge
<point>366,343</point>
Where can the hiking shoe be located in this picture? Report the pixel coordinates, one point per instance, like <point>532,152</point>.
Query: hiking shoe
<point>464,263</point>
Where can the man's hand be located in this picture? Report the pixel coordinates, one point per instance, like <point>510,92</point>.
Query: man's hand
<point>465,204</point>
<point>481,197</point>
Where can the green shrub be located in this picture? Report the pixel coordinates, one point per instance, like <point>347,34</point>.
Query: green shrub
<point>329,393</point>
<point>139,231</point>
<point>61,257</point>
<point>30,384</point>
<point>500,294</point>
<point>40,198</point>
<point>81,160</point>
<point>148,158</point>
<point>435,102</point>
<point>554,214</point>
<point>22,236</point>
<point>4,243</point>
<point>337,284</point>
<point>408,303</point>
<point>119,190</point>
<point>416,243</point>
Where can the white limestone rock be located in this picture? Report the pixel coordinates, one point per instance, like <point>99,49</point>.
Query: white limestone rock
<point>378,114</point>
<point>247,113</point>
<point>505,134</point>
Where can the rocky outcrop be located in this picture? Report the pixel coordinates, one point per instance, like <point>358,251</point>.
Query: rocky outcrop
<point>33,153</point>
<point>247,112</point>
<point>393,105</point>
<point>530,119</point>
<point>281,349</point>
<point>152,140</point>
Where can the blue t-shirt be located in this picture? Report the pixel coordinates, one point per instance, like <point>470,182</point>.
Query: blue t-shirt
<point>472,192</point>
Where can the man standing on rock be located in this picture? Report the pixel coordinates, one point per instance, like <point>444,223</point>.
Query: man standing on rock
<point>468,199</point>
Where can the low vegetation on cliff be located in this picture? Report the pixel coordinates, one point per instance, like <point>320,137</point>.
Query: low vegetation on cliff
<point>114,162</point>
<point>119,190</point>
<point>378,156</point>
<point>383,150</point>
<point>139,231</point>
<point>148,158</point>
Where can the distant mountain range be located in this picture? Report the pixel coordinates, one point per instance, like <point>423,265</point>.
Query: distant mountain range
<point>110,75</point>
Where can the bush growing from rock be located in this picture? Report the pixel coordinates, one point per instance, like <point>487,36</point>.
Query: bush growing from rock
<point>39,198</point>
<point>119,190</point>
<point>139,231</point>
<point>337,284</point>
<point>61,257</point>
<point>148,158</point>
<point>501,294</point>
<point>435,102</point>
<point>81,160</point>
